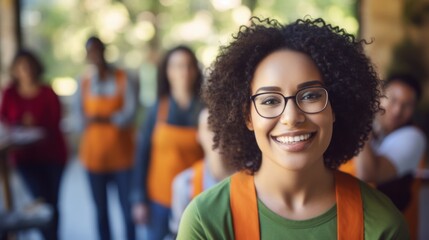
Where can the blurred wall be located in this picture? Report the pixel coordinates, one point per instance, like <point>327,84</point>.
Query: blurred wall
<point>9,36</point>
<point>399,31</point>
<point>381,22</point>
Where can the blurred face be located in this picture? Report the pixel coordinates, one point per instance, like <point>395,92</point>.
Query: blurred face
<point>23,71</point>
<point>293,140</point>
<point>212,156</point>
<point>399,105</point>
<point>95,53</point>
<point>181,71</point>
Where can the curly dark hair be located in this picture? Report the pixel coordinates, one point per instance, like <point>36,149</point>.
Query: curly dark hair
<point>347,73</point>
<point>164,85</point>
<point>36,66</point>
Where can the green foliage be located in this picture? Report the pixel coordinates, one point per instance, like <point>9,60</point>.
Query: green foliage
<point>135,29</point>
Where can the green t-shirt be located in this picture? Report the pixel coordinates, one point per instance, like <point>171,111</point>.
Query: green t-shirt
<point>209,217</point>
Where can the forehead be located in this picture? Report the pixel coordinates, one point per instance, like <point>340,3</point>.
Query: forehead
<point>286,69</point>
<point>179,55</point>
<point>401,90</point>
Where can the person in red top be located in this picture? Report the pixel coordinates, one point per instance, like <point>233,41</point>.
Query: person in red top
<point>27,102</point>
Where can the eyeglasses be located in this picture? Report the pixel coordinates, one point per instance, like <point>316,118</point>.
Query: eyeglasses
<point>272,104</point>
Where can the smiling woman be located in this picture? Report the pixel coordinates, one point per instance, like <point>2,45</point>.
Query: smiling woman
<point>287,152</point>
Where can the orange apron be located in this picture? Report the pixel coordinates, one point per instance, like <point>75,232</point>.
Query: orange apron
<point>174,148</point>
<point>198,178</point>
<point>105,147</point>
<point>244,207</point>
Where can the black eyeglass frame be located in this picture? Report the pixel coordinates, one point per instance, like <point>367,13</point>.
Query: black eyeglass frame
<point>252,98</point>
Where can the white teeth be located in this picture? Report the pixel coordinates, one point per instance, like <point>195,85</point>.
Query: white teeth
<point>294,139</point>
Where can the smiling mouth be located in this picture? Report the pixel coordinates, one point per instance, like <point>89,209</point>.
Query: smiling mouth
<point>293,139</point>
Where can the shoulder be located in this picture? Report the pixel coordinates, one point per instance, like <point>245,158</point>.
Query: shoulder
<point>199,221</point>
<point>47,89</point>
<point>47,92</point>
<point>218,194</point>
<point>405,134</point>
<point>182,181</point>
<point>11,89</point>
<point>404,143</point>
<point>382,219</point>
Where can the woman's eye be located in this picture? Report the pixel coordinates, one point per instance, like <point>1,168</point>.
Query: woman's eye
<point>310,96</point>
<point>270,101</point>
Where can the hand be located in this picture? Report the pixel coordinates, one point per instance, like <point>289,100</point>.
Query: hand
<point>27,119</point>
<point>98,119</point>
<point>140,213</point>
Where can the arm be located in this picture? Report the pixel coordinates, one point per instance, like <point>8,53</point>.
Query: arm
<point>126,115</point>
<point>371,167</point>
<point>3,107</point>
<point>54,110</point>
<point>77,109</point>
<point>142,158</point>
<point>399,154</point>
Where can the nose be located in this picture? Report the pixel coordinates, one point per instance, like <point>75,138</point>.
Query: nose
<point>292,116</point>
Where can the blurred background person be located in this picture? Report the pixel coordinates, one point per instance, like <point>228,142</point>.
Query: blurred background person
<point>396,146</point>
<point>200,177</point>
<point>167,143</point>
<point>105,105</point>
<point>29,103</point>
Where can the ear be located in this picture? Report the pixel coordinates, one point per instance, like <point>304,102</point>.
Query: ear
<point>249,123</point>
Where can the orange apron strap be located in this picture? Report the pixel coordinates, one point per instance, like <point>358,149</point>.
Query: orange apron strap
<point>198,179</point>
<point>244,207</point>
<point>163,110</point>
<point>350,222</point>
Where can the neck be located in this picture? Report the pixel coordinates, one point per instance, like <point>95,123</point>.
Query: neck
<point>183,98</point>
<point>28,88</point>
<point>296,194</point>
<point>102,71</point>
<point>216,166</point>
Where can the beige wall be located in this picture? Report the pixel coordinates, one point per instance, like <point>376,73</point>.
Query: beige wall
<point>382,23</point>
<point>8,38</point>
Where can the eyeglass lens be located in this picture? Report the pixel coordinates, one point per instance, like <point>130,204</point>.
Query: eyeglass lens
<point>308,100</point>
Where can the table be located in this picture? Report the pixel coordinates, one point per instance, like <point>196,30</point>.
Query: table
<point>10,138</point>
<point>11,219</point>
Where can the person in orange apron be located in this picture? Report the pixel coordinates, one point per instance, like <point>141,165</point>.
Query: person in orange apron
<point>168,143</point>
<point>198,178</point>
<point>106,105</point>
<point>288,104</point>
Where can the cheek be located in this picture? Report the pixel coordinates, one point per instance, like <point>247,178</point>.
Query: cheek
<point>170,73</point>
<point>408,113</point>
<point>326,125</point>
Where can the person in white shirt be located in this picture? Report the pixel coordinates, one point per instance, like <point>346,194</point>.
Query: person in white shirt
<point>396,146</point>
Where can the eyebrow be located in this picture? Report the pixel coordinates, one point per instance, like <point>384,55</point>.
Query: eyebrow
<point>268,89</point>
<point>310,83</point>
<point>301,85</point>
